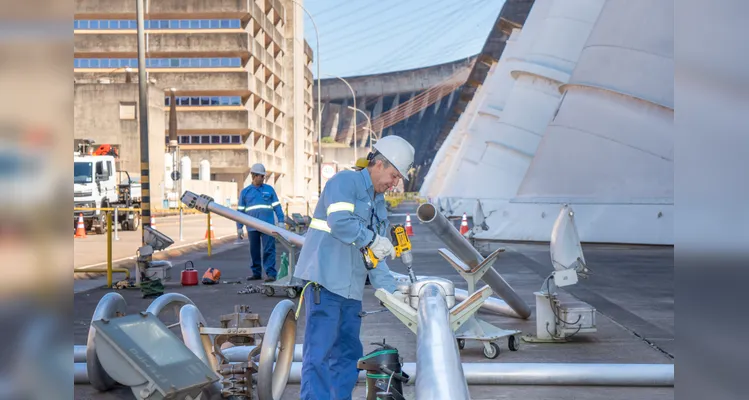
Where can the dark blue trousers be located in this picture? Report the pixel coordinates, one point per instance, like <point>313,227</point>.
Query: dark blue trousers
<point>331,346</point>
<point>268,244</point>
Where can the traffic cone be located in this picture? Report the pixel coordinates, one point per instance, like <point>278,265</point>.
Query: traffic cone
<point>210,231</point>
<point>80,229</point>
<point>409,228</point>
<point>464,225</point>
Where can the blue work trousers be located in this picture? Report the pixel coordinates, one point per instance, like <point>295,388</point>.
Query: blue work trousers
<point>268,243</point>
<point>331,346</point>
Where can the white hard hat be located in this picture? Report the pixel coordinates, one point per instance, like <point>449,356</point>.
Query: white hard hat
<point>258,169</point>
<point>398,151</point>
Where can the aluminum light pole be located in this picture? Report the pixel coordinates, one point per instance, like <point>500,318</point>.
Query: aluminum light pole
<point>319,103</point>
<point>143,117</point>
<point>353,94</point>
<point>369,124</point>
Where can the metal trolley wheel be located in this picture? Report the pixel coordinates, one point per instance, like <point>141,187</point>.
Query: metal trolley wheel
<point>291,292</point>
<point>513,342</point>
<point>268,291</point>
<point>492,352</point>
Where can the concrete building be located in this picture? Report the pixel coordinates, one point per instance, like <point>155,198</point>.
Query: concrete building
<point>241,75</point>
<point>108,114</point>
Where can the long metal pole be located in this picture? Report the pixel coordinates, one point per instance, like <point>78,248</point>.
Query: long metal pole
<point>353,95</point>
<point>143,118</point>
<point>369,124</point>
<point>536,374</point>
<point>437,355</point>
<point>206,204</point>
<point>428,214</point>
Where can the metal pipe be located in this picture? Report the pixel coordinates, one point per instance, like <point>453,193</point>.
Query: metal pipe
<point>538,374</point>
<point>79,354</point>
<point>437,354</point>
<point>80,373</point>
<point>240,353</point>
<point>110,306</point>
<point>206,204</point>
<point>232,354</point>
<point>428,215</point>
<point>190,321</point>
<point>174,301</point>
<point>280,333</point>
<point>492,304</point>
<point>548,374</point>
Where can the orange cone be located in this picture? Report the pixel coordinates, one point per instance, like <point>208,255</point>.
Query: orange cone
<point>210,231</point>
<point>464,225</point>
<point>409,228</point>
<point>80,229</point>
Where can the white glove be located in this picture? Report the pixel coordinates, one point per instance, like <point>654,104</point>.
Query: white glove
<point>381,247</point>
<point>240,233</point>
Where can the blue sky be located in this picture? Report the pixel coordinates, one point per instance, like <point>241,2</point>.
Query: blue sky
<point>360,37</point>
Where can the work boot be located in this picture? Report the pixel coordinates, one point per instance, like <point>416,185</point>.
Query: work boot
<point>270,279</point>
<point>254,278</point>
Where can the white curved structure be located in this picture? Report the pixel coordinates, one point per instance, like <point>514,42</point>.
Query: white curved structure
<point>498,148</point>
<point>609,151</point>
<point>588,122</point>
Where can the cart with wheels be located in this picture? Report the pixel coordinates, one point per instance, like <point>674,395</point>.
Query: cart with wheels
<point>488,335</point>
<point>288,285</point>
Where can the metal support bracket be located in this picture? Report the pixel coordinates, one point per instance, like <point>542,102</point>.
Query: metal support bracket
<point>399,308</point>
<point>471,275</point>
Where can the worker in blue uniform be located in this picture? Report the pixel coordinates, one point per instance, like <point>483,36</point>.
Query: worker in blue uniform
<point>350,216</point>
<point>260,201</point>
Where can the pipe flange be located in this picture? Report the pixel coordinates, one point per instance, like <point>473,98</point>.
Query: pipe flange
<point>112,305</point>
<point>279,333</point>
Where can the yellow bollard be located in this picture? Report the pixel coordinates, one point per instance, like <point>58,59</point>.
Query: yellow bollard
<point>208,227</point>
<point>108,216</point>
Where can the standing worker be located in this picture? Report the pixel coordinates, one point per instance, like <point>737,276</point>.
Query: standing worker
<point>349,218</point>
<point>260,201</point>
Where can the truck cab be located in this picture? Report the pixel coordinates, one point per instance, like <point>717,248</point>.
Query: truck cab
<point>97,184</point>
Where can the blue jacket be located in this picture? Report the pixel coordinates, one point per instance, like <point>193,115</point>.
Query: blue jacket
<point>260,202</point>
<point>341,226</point>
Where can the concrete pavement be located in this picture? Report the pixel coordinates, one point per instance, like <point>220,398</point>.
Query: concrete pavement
<point>618,340</point>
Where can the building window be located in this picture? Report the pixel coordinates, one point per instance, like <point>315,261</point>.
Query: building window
<point>113,24</point>
<point>211,139</point>
<point>157,62</point>
<point>206,101</point>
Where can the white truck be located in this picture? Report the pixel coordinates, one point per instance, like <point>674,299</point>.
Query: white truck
<point>98,184</point>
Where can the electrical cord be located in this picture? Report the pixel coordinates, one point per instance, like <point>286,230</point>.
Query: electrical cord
<point>557,318</point>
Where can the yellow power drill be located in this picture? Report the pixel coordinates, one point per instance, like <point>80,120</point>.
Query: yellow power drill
<point>402,245</point>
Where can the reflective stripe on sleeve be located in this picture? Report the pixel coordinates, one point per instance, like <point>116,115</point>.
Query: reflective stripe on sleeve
<point>276,203</point>
<point>240,208</point>
<point>340,206</point>
<point>258,207</point>
<point>320,225</point>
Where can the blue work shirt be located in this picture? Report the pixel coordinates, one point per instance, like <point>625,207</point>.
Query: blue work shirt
<point>342,224</point>
<point>260,202</point>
